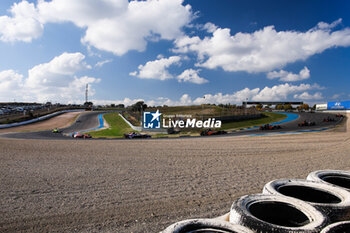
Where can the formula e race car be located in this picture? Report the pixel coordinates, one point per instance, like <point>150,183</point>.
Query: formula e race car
<point>79,135</point>
<point>209,132</point>
<point>328,119</point>
<point>56,130</point>
<point>136,135</point>
<point>270,127</point>
<point>306,123</point>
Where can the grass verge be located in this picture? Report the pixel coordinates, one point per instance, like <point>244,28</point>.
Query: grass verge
<point>117,127</point>
<point>270,117</point>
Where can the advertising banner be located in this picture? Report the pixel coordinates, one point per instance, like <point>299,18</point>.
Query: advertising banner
<point>339,105</point>
<point>320,107</point>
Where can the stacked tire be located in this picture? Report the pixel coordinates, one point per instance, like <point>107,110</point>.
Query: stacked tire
<point>321,203</point>
<point>275,213</point>
<point>206,225</point>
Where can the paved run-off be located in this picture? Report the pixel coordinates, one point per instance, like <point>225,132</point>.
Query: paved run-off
<point>145,185</point>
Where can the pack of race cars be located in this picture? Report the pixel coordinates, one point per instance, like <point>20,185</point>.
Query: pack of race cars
<point>205,132</point>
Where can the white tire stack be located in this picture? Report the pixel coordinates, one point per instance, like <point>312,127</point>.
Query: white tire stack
<point>319,204</point>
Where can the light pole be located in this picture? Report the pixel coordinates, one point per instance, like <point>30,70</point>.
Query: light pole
<point>203,108</point>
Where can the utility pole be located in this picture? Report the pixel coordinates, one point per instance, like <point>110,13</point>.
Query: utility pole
<point>86,93</point>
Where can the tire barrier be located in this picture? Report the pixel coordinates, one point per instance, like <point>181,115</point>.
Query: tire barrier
<point>338,227</point>
<point>205,225</point>
<point>286,205</point>
<point>276,213</point>
<point>335,177</point>
<point>225,217</point>
<point>333,201</point>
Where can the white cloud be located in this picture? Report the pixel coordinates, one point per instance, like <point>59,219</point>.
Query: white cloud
<point>274,93</point>
<point>11,84</point>
<point>307,96</point>
<point>116,26</point>
<point>336,96</point>
<point>119,26</point>
<point>156,69</point>
<point>125,101</point>
<point>263,50</point>
<point>210,27</point>
<point>191,76</point>
<point>281,92</point>
<point>55,80</point>
<point>22,25</point>
<point>101,63</point>
<point>288,76</point>
<point>326,26</point>
<point>57,72</point>
<point>186,44</point>
<point>82,13</point>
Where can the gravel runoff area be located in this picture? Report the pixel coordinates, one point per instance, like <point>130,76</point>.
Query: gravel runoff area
<point>146,185</point>
<point>61,121</point>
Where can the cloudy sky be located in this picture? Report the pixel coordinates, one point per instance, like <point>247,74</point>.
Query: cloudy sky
<point>174,52</point>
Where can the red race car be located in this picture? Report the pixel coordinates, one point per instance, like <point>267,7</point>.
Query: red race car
<point>328,119</point>
<point>307,123</point>
<point>79,135</point>
<point>209,132</point>
<point>270,127</point>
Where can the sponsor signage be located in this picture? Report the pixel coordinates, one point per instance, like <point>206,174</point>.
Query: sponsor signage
<point>321,106</point>
<point>152,120</point>
<point>339,105</point>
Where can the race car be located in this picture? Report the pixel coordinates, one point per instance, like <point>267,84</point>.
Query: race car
<point>56,130</point>
<point>136,135</point>
<point>328,119</point>
<point>79,135</point>
<point>306,123</point>
<point>270,127</point>
<point>209,132</point>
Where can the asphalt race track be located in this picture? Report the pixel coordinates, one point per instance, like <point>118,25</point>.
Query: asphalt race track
<point>90,120</point>
<point>86,121</point>
<point>292,126</point>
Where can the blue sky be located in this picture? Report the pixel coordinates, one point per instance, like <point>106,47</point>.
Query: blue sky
<point>174,52</point>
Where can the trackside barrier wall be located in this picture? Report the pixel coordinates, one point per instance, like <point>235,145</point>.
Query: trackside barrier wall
<point>137,128</point>
<point>37,119</point>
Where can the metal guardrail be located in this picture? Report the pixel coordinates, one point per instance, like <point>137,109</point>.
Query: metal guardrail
<point>137,128</point>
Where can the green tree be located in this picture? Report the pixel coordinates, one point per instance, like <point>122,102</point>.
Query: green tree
<point>139,106</point>
<point>287,107</point>
<point>279,107</point>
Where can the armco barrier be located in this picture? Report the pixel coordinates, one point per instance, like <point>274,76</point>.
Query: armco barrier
<point>37,119</point>
<point>137,128</point>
